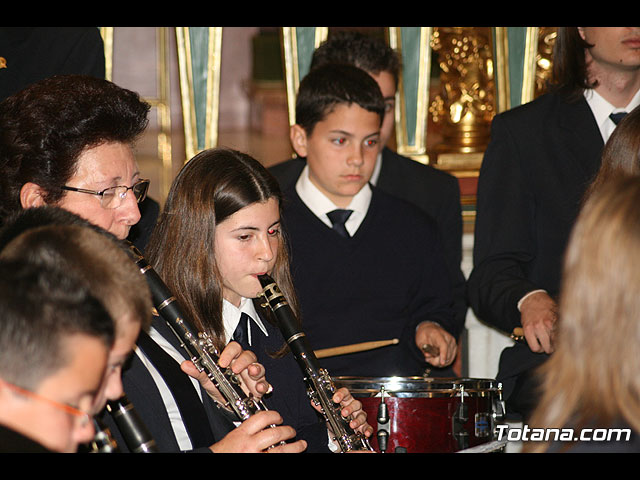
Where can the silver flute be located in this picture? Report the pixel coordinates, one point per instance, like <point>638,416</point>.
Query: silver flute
<point>320,386</point>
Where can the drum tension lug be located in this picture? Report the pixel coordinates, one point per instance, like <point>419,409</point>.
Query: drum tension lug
<point>383,424</point>
<point>460,417</point>
<point>499,409</point>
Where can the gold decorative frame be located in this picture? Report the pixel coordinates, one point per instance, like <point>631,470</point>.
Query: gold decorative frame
<point>163,107</point>
<point>161,102</point>
<point>530,67</point>
<point>107,39</point>
<point>417,150</point>
<point>503,72</point>
<point>214,50</point>
<point>501,68</point>
<point>292,65</point>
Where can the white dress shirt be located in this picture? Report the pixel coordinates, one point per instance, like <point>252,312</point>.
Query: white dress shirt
<point>376,170</point>
<point>231,317</point>
<point>320,205</point>
<point>601,109</point>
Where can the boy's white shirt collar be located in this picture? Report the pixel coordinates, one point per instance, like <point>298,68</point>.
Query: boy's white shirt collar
<point>601,109</point>
<point>231,317</point>
<point>376,169</point>
<point>320,205</point>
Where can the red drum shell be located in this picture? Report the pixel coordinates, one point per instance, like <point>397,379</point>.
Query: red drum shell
<point>427,415</point>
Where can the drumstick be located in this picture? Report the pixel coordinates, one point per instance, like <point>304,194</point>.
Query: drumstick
<point>355,347</point>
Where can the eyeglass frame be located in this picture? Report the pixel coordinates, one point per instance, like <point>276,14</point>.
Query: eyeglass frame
<point>81,415</point>
<point>101,192</point>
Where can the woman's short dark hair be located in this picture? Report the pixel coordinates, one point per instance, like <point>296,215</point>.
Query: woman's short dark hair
<point>45,127</point>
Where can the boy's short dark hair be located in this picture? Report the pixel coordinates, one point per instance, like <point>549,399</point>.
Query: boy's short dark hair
<point>52,237</point>
<point>335,84</point>
<point>41,307</point>
<point>372,54</point>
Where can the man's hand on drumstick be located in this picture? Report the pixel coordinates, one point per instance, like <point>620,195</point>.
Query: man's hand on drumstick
<point>438,345</point>
<point>539,313</point>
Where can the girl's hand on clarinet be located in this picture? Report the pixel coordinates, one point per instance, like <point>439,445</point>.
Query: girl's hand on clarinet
<point>243,363</point>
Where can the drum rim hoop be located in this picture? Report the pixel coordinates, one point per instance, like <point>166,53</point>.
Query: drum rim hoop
<point>428,387</point>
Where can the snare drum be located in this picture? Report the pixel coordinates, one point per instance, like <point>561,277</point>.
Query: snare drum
<point>427,415</point>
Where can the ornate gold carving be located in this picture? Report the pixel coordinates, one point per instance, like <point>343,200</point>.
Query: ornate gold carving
<point>544,58</point>
<point>465,106</point>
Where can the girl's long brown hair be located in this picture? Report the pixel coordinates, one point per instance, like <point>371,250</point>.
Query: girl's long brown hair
<point>621,153</point>
<point>211,187</point>
<point>592,379</point>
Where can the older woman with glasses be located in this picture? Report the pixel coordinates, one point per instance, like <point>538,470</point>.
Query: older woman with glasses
<point>68,141</point>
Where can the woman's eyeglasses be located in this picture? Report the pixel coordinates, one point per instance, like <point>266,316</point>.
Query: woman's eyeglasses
<point>113,197</point>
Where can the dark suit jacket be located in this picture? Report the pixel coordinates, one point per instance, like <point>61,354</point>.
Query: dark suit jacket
<point>143,393</point>
<point>541,158</point>
<point>435,192</point>
<point>35,53</point>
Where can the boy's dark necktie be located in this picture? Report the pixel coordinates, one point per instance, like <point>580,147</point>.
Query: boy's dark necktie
<point>338,219</point>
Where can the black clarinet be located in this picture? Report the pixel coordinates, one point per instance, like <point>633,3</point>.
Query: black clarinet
<point>320,386</point>
<point>133,430</point>
<point>198,345</point>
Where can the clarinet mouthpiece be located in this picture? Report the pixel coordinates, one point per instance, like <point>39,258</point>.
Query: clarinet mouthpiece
<point>265,280</point>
